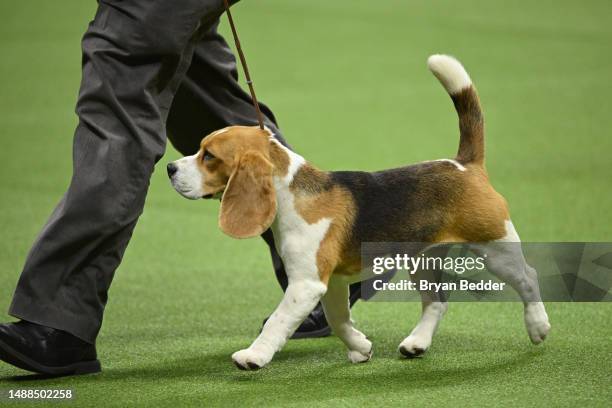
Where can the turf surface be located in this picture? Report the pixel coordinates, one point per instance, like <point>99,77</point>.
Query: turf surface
<point>348,82</point>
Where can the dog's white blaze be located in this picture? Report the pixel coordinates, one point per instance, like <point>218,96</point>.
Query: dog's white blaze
<point>297,243</point>
<point>449,72</point>
<point>455,163</point>
<point>188,179</point>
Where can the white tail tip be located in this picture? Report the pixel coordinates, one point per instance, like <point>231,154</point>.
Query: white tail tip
<point>449,72</point>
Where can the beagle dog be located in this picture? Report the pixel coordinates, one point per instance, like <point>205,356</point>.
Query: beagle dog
<point>319,220</point>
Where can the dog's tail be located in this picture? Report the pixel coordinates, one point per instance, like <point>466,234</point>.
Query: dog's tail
<point>458,84</point>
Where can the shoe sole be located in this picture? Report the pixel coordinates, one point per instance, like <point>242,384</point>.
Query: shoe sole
<point>323,332</point>
<point>17,359</point>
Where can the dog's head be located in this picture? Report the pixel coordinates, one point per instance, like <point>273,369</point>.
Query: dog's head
<point>233,164</point>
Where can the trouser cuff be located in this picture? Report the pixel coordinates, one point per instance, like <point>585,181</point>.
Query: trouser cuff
<point>34,311</point>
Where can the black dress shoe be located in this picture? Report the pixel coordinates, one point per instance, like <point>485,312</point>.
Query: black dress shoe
<point>315,325</point>
<point>45,350</point>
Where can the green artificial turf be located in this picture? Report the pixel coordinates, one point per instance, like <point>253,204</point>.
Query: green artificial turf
<point>348,82</point>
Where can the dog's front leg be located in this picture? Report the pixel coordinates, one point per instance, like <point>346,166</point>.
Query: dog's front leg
<point>299,300</point>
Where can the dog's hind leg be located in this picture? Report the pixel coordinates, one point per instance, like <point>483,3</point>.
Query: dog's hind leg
<point>421,336</point>
<point>505,259</point>
<point>433,309</point>
<point>338,314</point>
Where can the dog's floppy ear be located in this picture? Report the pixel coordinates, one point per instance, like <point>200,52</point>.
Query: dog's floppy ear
<point>248,206</point>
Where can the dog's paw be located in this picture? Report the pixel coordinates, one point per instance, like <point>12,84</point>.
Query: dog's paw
<point>536,322</point>
<point>249,359</point>
<point>414,346</point>
<point>362,355</point>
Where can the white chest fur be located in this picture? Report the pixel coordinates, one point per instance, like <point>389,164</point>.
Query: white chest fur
<point>297,241</point>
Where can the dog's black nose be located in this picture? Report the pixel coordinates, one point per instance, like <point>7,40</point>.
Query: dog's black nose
<point>171,169</point>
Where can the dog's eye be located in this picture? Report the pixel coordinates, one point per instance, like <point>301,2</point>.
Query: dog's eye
<point>208,156</point>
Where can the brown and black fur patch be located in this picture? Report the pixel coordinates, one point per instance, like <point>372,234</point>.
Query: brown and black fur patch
<point>408,204</point>
<point>318,197</point>
<point>427,202</point>
<point>424,202</point>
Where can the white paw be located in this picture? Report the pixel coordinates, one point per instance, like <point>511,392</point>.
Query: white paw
<point>362,355</point>
<point>414,345</point>
<point>249,359</point>
<point>536,322</point>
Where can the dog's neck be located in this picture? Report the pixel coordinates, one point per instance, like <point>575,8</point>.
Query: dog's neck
<point>297,185</point>
<point>286,163</point>
<point>294,176</point>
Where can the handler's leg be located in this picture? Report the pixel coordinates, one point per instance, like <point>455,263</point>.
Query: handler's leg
<point>210,98</point>
<point>135,55</point>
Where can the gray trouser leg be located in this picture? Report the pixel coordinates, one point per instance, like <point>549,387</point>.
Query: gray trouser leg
<point>135,55</point>
<point>210,98</point>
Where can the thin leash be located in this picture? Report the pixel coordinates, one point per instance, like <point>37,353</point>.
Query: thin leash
<point>244,65</point>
